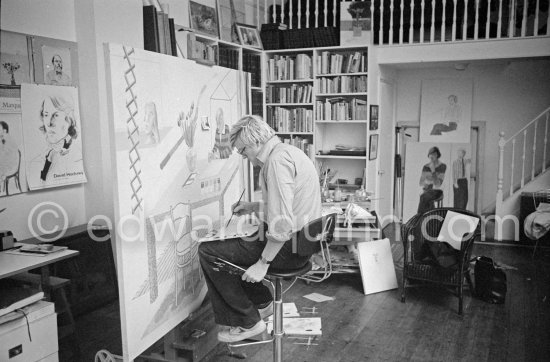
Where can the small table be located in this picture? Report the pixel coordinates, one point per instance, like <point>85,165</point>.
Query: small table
<point>12,264</point>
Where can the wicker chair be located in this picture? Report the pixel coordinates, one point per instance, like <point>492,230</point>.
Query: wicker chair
<point>414,265</point>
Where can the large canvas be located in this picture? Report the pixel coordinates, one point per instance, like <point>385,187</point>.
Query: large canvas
<point>52,135</point>
<point>446,110</point>
<point>175,173</point>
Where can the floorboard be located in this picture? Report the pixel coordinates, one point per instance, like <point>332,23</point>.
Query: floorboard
<point>378,327</point>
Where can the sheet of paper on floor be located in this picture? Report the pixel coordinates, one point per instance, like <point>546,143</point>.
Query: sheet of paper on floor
<point>289,311</point>
<point>317,297</point>
<point>300,326</point>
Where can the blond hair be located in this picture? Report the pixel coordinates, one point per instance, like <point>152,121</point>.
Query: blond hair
<point>251,130</point>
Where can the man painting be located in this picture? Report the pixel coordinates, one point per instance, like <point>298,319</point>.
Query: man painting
<point>56,75</point>
<point>291,198</point>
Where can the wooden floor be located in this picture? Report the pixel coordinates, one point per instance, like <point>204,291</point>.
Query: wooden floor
<point>379,327</point>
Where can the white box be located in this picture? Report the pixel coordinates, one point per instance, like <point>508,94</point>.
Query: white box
<point>15,345</point>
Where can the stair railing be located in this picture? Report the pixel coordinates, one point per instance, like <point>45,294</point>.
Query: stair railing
<point>532,137</point>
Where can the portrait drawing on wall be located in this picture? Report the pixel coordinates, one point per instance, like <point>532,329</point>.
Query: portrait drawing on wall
<point>56,65</point>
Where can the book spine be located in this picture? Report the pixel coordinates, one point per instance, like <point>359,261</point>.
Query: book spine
<point>150,29</point>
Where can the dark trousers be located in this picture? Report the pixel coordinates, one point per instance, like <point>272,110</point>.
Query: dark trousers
<point>461,194</point>
<point>427,200</point>
<point>234,301</point>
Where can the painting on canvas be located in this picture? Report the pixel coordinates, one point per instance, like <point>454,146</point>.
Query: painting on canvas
<point>176,178</point>
<point>446,110</point>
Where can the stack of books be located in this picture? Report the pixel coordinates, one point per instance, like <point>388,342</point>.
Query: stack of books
<point>272,36</point>
<point>158,31</point>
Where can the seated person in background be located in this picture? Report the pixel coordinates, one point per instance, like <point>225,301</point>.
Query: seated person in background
<point>431,179</point>
<point>291,198</point>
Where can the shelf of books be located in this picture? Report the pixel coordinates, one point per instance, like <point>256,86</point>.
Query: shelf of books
<point>341,112</point>
<point>289,97</point>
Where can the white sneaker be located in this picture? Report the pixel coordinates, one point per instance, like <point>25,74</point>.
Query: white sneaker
<point>235,334</point>
<point>267,311</point>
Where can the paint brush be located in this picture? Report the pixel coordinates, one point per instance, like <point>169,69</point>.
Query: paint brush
<point>232,213</point>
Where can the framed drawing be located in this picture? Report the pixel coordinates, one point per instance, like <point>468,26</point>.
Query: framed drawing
<point>229,13</point>
<point>55,61</point>
<point>203,17</point>
<point>355,22</point>
<point>373,116</point>
<point>373,150</point>
<point>249,36</point>
<point>14,59</point>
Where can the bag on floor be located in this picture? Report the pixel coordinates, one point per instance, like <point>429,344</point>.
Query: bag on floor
<point>490,281</point>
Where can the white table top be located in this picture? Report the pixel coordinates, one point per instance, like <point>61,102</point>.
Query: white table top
<point>12,264</point>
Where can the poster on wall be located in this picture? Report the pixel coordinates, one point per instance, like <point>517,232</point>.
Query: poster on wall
<point>56,65</point>
<point>355,22</point>
<point>14,58</point>
<point>446,110</point>
<point>176,175</point>
<point>52,136</point>
<point>12,154</point>
<point>433,171</point>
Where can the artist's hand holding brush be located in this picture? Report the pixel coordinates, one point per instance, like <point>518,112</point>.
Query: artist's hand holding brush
<point>241,208</point>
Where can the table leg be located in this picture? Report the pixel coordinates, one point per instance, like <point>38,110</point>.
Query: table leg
<point>45,281</point>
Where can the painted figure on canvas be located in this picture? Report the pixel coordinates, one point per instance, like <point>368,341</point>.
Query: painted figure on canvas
<point>290,186</point>
<point>451,117</point>
<point>149,129</point>
<point>460,179</point>
<point>56,76</point>
<point>9,155</point>
<point>222,144</point>
<point>431,180</point>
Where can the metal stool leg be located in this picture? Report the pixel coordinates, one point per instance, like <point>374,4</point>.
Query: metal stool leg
<point>278,331</point>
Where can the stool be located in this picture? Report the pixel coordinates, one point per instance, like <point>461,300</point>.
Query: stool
<point>275,278</point>
<point>62,306</point>
<point>438,203</point>
<point>278,332</point>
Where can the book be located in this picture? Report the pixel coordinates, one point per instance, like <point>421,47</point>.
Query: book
<point>172,28</point>
<point>150,29</point>
<point>36,250</point>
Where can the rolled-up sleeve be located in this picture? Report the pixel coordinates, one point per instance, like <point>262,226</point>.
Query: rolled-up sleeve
<point>280,181</point>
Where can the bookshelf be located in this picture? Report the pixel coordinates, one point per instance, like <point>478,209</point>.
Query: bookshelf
<point>289,95</point>
<point>341,113</point>
<point>320,95</point>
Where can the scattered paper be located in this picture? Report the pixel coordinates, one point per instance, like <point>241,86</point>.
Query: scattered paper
<point>289,311</point>
<point>316,297</point>
<point>299,326</point>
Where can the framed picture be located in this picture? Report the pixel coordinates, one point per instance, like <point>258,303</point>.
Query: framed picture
<point>203,17</point>
<point>230,12</point>
<point>249,36</point>
<point>373,116</point>
<point>55,61</point>
<point>373,150</point>
<point>355,22</point>
<point>15,63</point>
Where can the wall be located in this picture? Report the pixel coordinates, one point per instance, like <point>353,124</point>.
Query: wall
<point>506,95</point>
<point>90,23</point>
<point>30,17</point>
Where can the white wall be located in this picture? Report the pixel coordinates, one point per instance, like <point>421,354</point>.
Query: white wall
<point>90,23</point>
<point>506,95</point>
<point>35,17</point>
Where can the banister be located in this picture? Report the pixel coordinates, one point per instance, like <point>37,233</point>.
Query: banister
<point>528,124</point>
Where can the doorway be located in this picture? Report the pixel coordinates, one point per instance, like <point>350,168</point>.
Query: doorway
<point>408,132</point>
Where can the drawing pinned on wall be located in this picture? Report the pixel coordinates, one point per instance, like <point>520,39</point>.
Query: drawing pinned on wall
<point>52,136</point>
<point>446,110</point>
<point>56,65</point>
<point>12,154</point>
<point>14,59</point>
<point>154,184</point>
